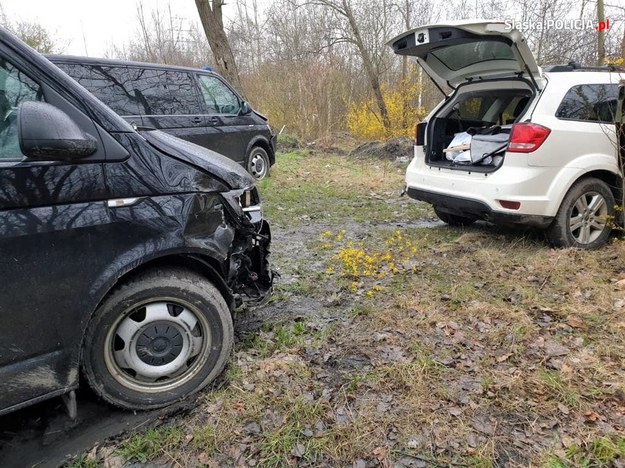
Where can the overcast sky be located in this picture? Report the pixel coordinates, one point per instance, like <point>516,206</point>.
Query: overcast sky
<point>89,27</point>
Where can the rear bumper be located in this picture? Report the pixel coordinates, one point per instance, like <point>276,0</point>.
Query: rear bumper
<point>477,209</point>
<point>538,189</point>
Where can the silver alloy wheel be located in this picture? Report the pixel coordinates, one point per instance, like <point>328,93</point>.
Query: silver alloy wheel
<point>588,218</point>
<point>157,346</point>
<point>258,165</point>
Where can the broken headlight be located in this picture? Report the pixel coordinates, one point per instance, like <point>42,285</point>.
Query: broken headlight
<point>250,204</point>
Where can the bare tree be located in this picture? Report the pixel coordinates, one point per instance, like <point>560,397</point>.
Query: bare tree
<point>601,33</point>
<point>162,37</point>
<point>343,9</point>
<point>37,37</point>
<point>212,20</point>
<point>33,34</point>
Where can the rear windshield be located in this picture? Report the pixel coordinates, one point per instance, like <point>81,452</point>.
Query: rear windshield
<point>590,103</point>
<point>459,56</point>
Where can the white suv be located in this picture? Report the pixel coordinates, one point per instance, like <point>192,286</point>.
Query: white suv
<point>557,167</point>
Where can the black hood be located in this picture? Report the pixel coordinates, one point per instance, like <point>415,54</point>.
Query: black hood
<point>209,161</point>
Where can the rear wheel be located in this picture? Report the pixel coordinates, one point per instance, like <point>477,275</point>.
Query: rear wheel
<point>452,219</point>
<point>585,217</point>
<point>258,162</point>
<point>156,339</point>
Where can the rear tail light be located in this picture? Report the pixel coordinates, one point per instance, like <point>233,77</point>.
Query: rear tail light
<point>419,134</point>
<point>527,137</point>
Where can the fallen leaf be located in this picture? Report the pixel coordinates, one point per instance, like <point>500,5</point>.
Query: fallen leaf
<point>504,357</point>
<point>455,411</point>
<point>576,322</point>
<point>563,409</point>
<point>553,349</point>
<point>484,425</point>
<point>379,453</point>
<point>203,458</point>
<point>299,451</point>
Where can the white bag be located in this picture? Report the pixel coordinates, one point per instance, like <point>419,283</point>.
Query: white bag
<point>458,150</point>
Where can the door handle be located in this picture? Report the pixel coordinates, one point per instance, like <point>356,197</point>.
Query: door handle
<point>214,121</point>
<point>196,120</point>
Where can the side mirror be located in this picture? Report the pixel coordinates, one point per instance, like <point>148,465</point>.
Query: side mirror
<point>47,133</point>
<point>245,108</point>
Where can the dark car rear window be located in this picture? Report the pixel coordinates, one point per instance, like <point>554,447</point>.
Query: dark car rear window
<point>589,102</point>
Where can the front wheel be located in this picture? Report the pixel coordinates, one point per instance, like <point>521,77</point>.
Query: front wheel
<point>585,217</point>
<point>258,163</point>
<point>452,219</point>
<point>156,339</point>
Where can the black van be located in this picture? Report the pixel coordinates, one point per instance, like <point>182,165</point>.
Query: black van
<point>196,105</point>
<point>122,253</point>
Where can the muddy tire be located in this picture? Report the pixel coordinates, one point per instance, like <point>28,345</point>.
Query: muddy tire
<point>156,339</point>
<point>452,219</point>
<point>258,163</point>
<point>585,217</point>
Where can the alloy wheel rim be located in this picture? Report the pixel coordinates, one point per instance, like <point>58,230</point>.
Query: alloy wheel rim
<point>588,218</point>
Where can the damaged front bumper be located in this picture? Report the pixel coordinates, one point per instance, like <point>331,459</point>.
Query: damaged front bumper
<point>250,276</point>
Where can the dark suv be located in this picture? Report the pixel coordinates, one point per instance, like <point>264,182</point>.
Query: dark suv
<point>196,105</point>
<point>122,253</point>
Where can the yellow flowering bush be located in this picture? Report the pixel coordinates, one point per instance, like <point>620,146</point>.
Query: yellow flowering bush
<point>364,121</point>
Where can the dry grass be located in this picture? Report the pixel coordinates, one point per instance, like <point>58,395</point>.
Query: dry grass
<point>476,347</point>
<point>307,186</point>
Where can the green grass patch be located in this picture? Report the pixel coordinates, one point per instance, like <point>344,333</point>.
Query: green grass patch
<point>149,445</point>
<point>329,188</point>
<point>599,452</point>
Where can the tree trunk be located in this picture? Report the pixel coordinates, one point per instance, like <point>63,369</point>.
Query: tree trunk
<point>600,34</point>
<point>212,21</point>
<point>404,70</point>
<point>374,80</point>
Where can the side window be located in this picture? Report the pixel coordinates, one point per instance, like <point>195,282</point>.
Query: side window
<point>111,85</point>
<point>218,97</point>
<point>15,88</point>
<point>183,92</point>
<point>150,90</point>
<point>589,102</point>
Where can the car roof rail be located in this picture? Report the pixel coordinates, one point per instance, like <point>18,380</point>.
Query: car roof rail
<point>573,66</point>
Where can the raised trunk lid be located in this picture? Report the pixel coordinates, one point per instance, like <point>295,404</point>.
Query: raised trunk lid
<point>456,52</point>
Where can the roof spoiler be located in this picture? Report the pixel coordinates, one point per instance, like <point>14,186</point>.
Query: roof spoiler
<point>573,66</point>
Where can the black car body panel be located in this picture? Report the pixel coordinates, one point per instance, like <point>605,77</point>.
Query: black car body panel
<point>71,230</point>
<point>137,92</point>
<point>215,163</point>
